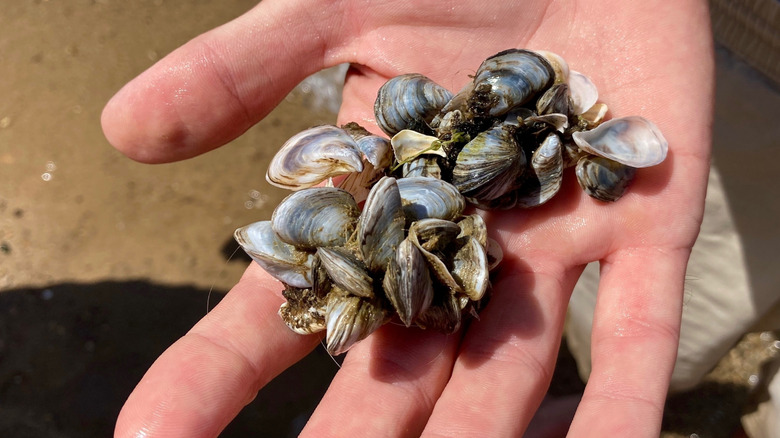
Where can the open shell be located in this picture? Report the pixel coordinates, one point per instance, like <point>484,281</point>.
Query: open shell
<point>312,156</point>
<point>633,141</point>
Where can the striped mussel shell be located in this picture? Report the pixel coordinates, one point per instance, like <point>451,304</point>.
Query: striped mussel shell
<point>602,178</point>
<point>490,165</point>
<point>409,101</point>
<point>545,174</point>
<point>350,319</point>
<point>508,80</point>
<point>424,197</point>
<point>316,217</point>
<point>380,228</point>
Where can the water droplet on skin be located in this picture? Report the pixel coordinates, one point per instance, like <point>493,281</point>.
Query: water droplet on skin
<point>753,379</point>
<point>46,176</point>
<point>5,122</point>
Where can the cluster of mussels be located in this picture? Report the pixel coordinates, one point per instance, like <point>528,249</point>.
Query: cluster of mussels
<point>501,142</point>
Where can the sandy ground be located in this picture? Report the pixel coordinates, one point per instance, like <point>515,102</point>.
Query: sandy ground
<point>104,262</point>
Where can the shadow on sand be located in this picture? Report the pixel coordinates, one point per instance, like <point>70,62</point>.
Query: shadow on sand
<point>71,353</point>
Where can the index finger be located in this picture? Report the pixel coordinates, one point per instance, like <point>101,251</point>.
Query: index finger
<point>199,384</point>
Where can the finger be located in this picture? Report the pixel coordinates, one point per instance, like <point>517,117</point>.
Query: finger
<point>216,86</point>
<point>203,380</point>
<point>507,357</point>
<point>635,333</point>
<point>392,379</point>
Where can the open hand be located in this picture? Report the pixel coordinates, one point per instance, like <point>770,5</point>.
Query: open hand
<point>650,58</point>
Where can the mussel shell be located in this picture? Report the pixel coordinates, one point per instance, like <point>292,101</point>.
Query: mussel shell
<point>571,153</point>
<point>470,269</point>
<point>557,121</point>
<point>602,178</point>
<point>408,101</point>
<point>494,254</point>
<point>380,228</point>
<point>376,149</point>
<point>430,235</point>
<point>424,197</point>
<point>346,271</point>
<point>407,283</point>
<point>304,311</point>
<point>350,319</point>
<point>409,144</point>
<point>559,65</point>
<point>444,314</point>
<point>474,226</point>
<point>583,92</point>
<point>422,166</point>
<point>358,184</point>
<point>312,156</point>
<point>555,100</point>
<point>509,79</point>
<point>452,114</point>
<point>434,234</point>
<point>489,165</point>
<point>314,217</point>
<point>595,115</point>
<point>633,141</point>
<point>283,261</point>
<point>546,174</point>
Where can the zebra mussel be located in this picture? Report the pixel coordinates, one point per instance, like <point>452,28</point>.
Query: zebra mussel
<point>411,253</point>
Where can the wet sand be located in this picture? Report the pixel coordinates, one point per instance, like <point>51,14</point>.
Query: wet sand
<point>104,262</point>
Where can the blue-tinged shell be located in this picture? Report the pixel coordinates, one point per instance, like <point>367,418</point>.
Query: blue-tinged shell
<point>409,101</point>
<point>424,197</point>
<point>316,217</point>
<point>602,178</point>
<point>509,79</point>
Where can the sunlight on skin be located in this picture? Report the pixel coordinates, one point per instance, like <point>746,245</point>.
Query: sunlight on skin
<point>650,58</point>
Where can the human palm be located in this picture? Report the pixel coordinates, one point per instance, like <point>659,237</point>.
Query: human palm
<point>650,58</point>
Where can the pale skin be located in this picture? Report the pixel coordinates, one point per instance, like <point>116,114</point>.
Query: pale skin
<point>649,58</point>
